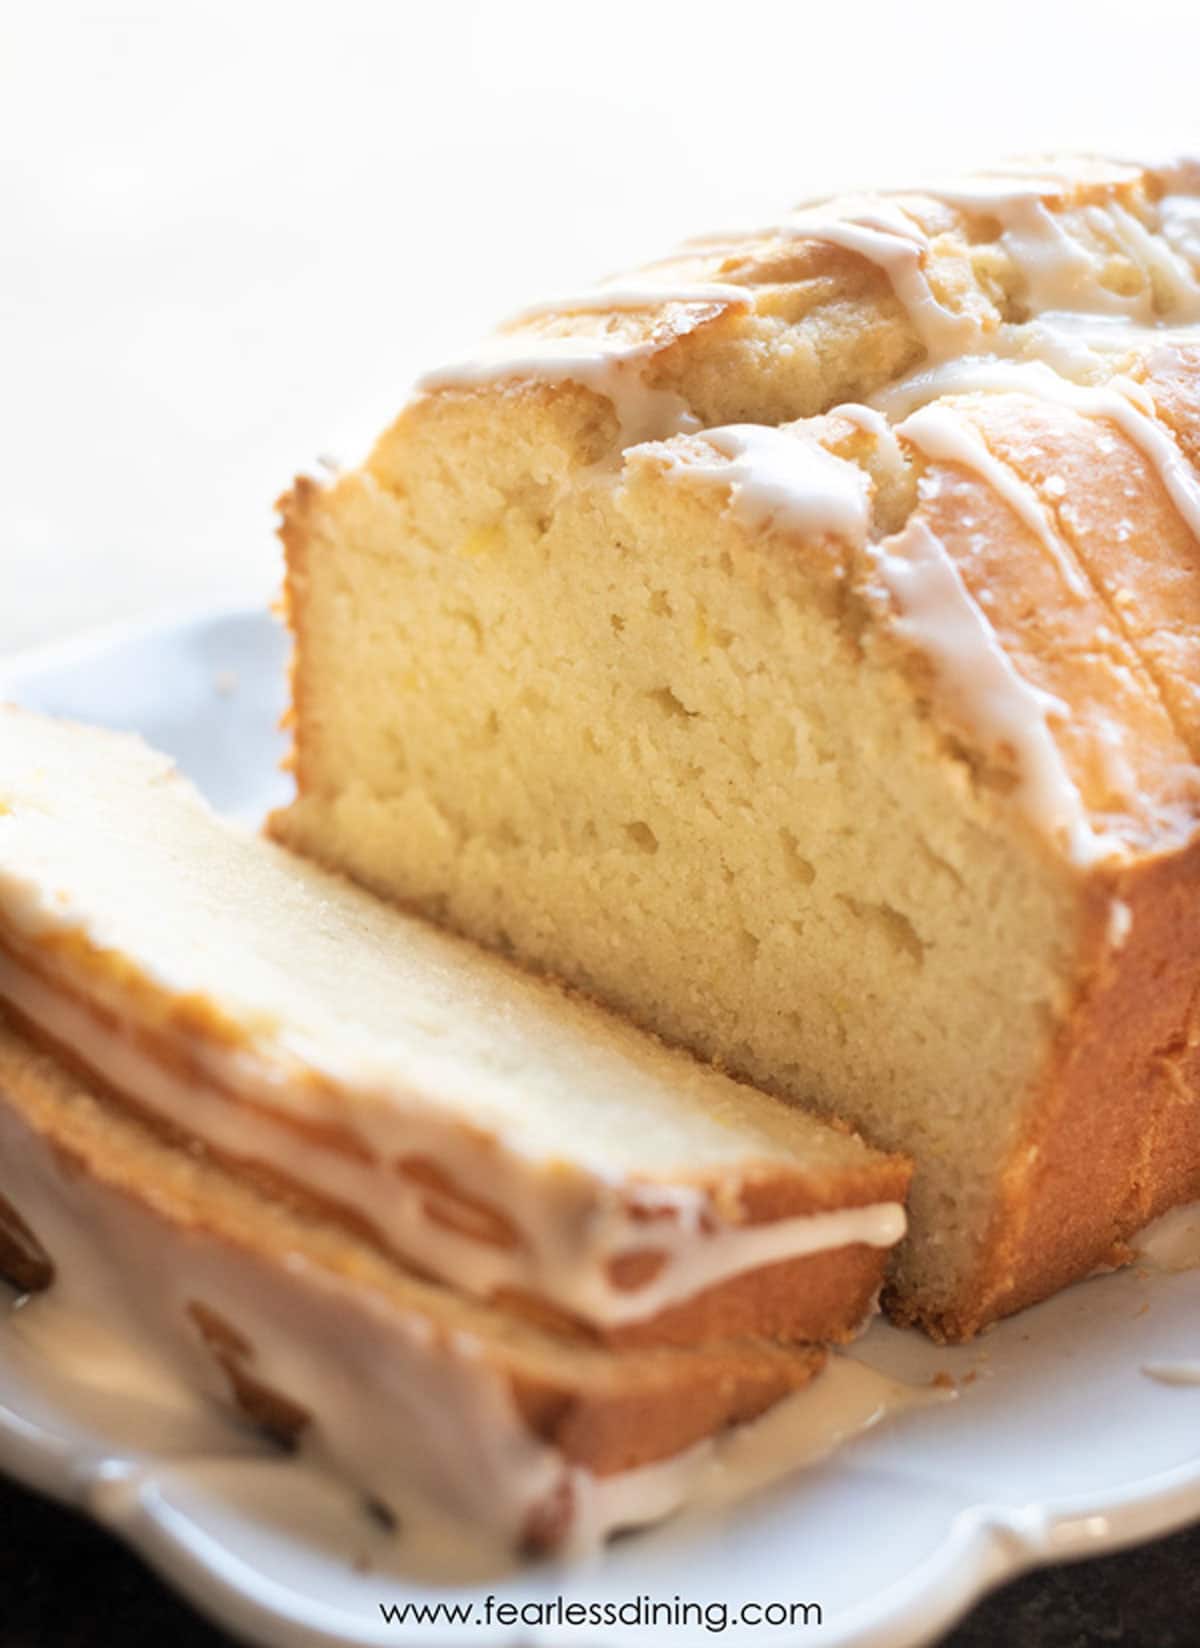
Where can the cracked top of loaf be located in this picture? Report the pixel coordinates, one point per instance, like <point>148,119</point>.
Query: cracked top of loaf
<point>842,297</point>
<point>981,398</point>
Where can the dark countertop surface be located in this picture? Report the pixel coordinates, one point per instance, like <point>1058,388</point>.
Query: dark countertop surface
<point>65,1584</point>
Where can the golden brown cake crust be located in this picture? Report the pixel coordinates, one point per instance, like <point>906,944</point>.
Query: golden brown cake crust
<point>1111,1130</point>
<point>1112,1137</point>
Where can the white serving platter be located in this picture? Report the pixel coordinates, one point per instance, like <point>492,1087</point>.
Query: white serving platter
<point>1058,1445</point>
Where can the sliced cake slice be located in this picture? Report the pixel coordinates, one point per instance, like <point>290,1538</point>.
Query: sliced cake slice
<point>431,1405</point>
<point>487,1128</point>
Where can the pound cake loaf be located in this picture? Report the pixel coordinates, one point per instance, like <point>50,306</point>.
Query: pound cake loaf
<point>477,1125</point>
<point>434,1407</point>
<point>797,646</point>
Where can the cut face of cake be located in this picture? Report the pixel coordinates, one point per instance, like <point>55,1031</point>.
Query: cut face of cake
<point>797,646</point>
<point>428,1100</point>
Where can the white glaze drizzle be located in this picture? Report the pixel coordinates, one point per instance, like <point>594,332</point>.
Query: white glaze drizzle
<point>1078,324</point>
<point>938,614</point>
<point>1062,276</point>
<point>868,418</point>
<point>946,436</point>
<point>881,231</point>
<point>572,1227</point>
<point>1179,215</point>
<point>1167,257</point>
<point>1130,406</point>
<point>1121,401</point>
<point>413,1418</point>
<point>1058,271</point>
<point>784,478</point>
<point>609,366</point>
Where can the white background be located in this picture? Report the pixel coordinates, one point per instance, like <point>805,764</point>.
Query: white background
<point>231,234</point>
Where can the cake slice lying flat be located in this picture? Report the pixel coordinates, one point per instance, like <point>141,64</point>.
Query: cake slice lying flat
<point>797,645</point>
<point>422,1400</point>
<point>485,1127</point>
